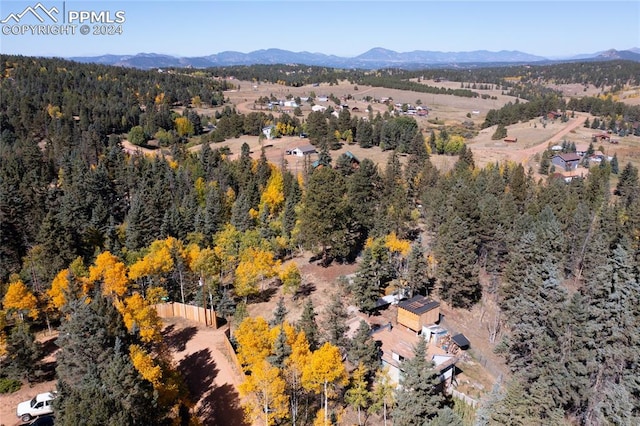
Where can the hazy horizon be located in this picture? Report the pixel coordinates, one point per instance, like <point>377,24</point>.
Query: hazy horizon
<point>341,28</point>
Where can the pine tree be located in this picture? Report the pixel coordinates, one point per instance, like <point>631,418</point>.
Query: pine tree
<point>363,350</point>
<point>308,324</point>
<point>419,397</point>
<point>373,274</point>
<point>335,322</point>
<point>279,313</point>
<point>23,353</point>
<point>417,279</point>
<point>457,264</point>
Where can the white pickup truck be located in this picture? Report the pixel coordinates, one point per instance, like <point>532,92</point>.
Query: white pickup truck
<point>40,405</point>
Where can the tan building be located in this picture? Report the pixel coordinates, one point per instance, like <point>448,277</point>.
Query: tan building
<point>418,312</point>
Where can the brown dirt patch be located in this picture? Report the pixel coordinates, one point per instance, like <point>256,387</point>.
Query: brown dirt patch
<point>199,354</point>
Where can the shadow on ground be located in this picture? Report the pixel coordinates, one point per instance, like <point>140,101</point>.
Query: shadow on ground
<point>177,339</point>
<point>219,405</point>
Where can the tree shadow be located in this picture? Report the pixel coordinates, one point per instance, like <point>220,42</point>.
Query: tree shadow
<point>264,295</point>
<point>222,407</point>
<point>177,340</point>
<point>304,290</point>
<point>199,370</point>
<point>45,372</point>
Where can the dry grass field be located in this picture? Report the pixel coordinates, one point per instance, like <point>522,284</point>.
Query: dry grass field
<point>533,136</point>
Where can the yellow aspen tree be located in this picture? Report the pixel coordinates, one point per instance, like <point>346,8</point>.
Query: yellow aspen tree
<point>112,272</point>
<point>291,278</point>
<point>255,266</point>
<point>184,127</point>
<point>227,242</point>
<point>146,366</point>
<point>358,395</point>
<point>20,300</point>
<point>397,245</point>
<point>138,313</point>
<point>269,403</point>
<point>156,262</point>
<point>294,366</point>
<point>59,286</point>
<point>289,331</point>
<point>254,342</point>
<point>323,373</point>
<point>273,194</point>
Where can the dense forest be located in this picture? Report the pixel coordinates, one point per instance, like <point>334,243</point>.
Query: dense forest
<point>92,236</point>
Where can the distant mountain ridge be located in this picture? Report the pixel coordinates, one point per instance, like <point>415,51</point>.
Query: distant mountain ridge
<point>377,57</point>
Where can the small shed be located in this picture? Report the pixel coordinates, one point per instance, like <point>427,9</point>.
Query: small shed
<point>460,340</point>
<point>511,140</point>
<point>418,312</point>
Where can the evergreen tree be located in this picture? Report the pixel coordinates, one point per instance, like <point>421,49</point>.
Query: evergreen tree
<point>363,350</point>
<point>22,353</point>
<point>373,274</point>
<point>419,397</point>
<point>281,349</point>
<point>457,270</point>
<point>335,322</point>
<point>308,324</point>
<point>417,279</point>
<point>279,313</point>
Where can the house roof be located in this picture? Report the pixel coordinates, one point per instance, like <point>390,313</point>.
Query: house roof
<point>570,156</point>
<point>306,148</point>
<point>418,305</point>
<point>460,340</point>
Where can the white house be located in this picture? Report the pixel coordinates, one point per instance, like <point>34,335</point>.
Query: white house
<point>318,108</point>
<point>291,104</point>
<point>301,151</point>
<point>269,131</point>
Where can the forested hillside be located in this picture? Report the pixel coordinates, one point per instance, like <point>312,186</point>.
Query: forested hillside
<point>91,236</point>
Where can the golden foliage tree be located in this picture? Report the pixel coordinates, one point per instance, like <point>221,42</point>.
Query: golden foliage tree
<point>267,388</point>
<point>323,373</point>
<point>273,194</point>
<point>59,286</point>
<point>112,272</point>
<point>20,300</point>
<point>184,126</point>
<point>155,263</point>
<point>255,265</point>
<point>254,342</point>
<point>139,314</point>
<point>294,365</point>
<point>291,278</point>
<point>146,366</point>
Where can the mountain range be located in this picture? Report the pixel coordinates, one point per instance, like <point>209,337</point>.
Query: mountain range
<point>372,59</point>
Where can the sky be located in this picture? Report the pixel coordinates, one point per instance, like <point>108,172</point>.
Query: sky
<point>552,29</point>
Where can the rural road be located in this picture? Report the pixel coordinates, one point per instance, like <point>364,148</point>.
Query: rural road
<point>522,156</point>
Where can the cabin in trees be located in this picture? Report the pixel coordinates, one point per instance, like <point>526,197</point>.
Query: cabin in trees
<point>568,161</point>
<point>397,345</point>
<point>418,312</point>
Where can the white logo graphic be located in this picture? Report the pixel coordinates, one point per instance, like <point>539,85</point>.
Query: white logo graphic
<point>34,11</point>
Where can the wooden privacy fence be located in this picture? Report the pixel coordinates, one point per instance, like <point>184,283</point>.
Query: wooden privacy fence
<point>231,355</point>
<point>190,312</point>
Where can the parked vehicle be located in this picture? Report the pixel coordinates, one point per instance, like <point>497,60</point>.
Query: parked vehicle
<point>40,405</point>
<point>43,421</point>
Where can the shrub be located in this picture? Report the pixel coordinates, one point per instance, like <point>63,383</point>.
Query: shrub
<point>9,385</point>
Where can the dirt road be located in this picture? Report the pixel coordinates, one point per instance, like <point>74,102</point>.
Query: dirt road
<point>198,353</point>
